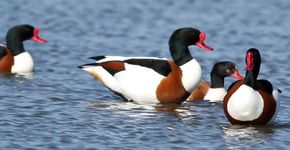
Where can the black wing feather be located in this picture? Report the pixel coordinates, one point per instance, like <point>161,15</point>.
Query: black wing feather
<point>160,66</point>
<point>3,51</point>
<point>265,85</point>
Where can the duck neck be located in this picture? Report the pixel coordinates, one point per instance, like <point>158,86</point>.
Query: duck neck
<point>180,53</point>
<point>216,81</point>
<point>251,77</point>
<point>14,44</point>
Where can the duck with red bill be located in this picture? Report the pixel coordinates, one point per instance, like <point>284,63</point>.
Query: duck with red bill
<point>13,57</point>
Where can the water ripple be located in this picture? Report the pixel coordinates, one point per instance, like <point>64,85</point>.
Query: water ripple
<point>62,107</point>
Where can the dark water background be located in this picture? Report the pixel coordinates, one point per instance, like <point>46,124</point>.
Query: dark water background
<point>62,107</point>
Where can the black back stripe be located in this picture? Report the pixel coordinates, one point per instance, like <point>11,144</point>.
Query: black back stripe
<point>160,66</point>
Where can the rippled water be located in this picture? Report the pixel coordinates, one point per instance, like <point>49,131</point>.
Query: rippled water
<point>62,107</point>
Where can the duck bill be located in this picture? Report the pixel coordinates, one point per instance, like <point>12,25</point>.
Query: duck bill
<point>36,37</point>
<point>237,75</point>
<point>201,43</point>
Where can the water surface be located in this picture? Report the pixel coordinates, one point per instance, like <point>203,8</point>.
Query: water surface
<point>62,107</point>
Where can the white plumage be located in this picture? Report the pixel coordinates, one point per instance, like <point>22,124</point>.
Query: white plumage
<point>23,63</point>
<point>215,94</point>
<point>245,104</point>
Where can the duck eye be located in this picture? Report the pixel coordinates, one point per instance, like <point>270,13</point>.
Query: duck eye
<point>228,70</point>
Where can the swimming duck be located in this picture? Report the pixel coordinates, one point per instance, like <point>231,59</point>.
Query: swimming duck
<point>13,57</point>
<point>153,79</point>
<point>251,101</point>
<point>215,92</point>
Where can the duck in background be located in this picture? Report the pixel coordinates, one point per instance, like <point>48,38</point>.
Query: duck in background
<point>13,57</point>
<point>152,79</point>
<point>251,101</point>
<point>215,92</point>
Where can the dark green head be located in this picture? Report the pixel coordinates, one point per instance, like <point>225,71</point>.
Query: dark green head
<point>18,34</point>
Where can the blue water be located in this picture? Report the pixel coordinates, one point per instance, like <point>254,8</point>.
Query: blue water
<point>62,107</point>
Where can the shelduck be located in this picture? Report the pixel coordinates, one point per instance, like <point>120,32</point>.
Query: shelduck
<point>153,79</point>
<point>251,101</point>
<point>215,91</point>
<point>13,57</point>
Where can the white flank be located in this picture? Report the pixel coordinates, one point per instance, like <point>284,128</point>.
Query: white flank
<point>215,94</point>
<point>191,75</point>
<point>245,104</point>
<point>23,63</point>
<point>139,83</point>
<point>276,96</point>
